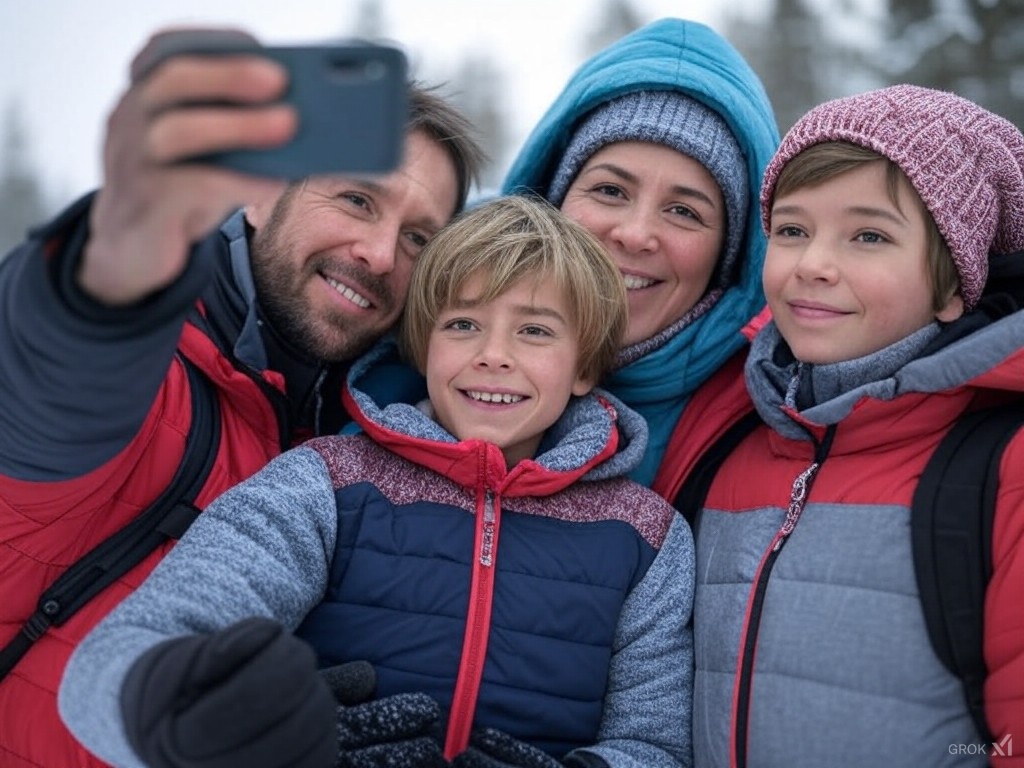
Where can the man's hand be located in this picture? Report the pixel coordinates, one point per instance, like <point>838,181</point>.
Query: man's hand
<point>151,207</point>
<point>248,696</point>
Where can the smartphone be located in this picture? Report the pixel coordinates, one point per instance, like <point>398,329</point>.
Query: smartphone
<point>351,99</point>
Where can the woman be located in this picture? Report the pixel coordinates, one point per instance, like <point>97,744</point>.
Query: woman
<point>657,145</point>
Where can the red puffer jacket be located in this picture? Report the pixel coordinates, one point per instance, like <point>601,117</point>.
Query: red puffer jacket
<point>45,527</point>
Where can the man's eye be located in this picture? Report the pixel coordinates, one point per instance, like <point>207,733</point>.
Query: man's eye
<point>356,199</point>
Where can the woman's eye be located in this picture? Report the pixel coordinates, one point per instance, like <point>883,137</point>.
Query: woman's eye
<point>609,190</point>
<point>789,231</point>
<point>684,211</point>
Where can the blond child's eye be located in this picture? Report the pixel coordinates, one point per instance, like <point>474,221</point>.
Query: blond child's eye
<point>459,324</point>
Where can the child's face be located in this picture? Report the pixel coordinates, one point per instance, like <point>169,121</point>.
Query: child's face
<point>503,371</point>
<point>845,273</point>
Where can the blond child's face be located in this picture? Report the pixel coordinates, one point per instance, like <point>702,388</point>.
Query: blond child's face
<point>845,273</point>
<point>662,218</point>
<point>503,370</point>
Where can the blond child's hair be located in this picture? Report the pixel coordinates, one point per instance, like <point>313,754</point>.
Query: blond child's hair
<point>822,162</point>
<point>506,241</point>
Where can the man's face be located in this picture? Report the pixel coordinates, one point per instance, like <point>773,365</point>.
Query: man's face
<point>332,257</point>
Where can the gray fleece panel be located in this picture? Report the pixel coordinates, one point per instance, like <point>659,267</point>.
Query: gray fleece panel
<point>890,702</point>
<point>648,707</point>
<point>262,549</point>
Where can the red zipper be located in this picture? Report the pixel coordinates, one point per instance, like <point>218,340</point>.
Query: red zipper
<point>478,626</point>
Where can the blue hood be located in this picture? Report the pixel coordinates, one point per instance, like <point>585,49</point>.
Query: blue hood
<point>691,58</point>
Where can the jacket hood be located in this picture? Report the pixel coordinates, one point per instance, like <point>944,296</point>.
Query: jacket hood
<point>692,58</point>
<point>596,438</point>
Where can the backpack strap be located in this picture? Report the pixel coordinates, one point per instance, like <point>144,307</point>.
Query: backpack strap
<point>166,518</point>
<point>690,499</point>
<point>951,535</point>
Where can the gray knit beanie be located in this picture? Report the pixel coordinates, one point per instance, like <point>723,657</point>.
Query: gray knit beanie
<point>677,121</point>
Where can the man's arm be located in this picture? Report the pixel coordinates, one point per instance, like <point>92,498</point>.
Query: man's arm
<point>90,311</point>
<point>77,376</point>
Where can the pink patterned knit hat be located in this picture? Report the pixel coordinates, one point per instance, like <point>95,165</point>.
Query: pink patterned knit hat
<point>966,163</point>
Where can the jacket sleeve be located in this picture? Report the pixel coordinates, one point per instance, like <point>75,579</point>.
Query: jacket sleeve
<point>647,709</point>
<point>264,548</point>
<point>77,377</point>
<point>1004,619</point>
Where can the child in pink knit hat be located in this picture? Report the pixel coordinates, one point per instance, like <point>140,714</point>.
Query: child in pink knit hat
<point>895,279</point>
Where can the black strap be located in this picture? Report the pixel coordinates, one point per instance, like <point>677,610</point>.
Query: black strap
<point>690,499</point>
<point>951,533</point>
<point>167,518</point>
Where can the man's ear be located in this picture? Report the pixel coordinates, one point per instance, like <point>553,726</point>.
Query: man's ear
<point>257,214</point>
<point>953,310</point>
<point>258,211</point>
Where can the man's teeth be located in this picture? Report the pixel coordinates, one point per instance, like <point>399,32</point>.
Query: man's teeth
<point>633,282</point>
<point>494,397</point>
<point>348,293</point>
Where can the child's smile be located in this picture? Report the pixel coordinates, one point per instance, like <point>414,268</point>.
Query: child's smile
<point>503,370</point>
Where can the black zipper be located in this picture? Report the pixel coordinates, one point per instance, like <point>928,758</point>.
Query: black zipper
<point>802,486</point>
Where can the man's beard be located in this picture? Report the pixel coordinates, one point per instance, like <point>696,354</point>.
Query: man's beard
<point>279,290</point>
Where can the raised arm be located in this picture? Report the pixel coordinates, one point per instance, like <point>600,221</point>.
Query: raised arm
<point>92,306</point>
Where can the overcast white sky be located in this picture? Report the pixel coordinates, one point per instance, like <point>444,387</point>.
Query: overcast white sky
<point>64,62</point>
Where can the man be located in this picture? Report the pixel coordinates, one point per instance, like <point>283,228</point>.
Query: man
<point>101,306</point>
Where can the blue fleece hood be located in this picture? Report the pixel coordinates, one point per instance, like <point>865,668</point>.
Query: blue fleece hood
<point>670,54</point>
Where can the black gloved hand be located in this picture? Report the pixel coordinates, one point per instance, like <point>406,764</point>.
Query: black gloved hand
<point>352,682</point>
<point>248,695</point>
<point>394,732</point>
<point>490,748</point>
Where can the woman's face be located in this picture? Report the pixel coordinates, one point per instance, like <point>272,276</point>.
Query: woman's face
<point>661,216</point>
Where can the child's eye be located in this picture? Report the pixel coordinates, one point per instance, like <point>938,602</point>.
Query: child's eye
<point>460,324</point>
<point>536,330</point>
<point>872,237</point>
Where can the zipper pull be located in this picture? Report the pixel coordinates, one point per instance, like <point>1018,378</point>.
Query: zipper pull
<point>487,535</point>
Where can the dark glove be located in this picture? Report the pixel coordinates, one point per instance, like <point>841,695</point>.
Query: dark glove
<point>394,732</point>
<point>352,682</point>
<point>490,748</point>
<point>248,695</point>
